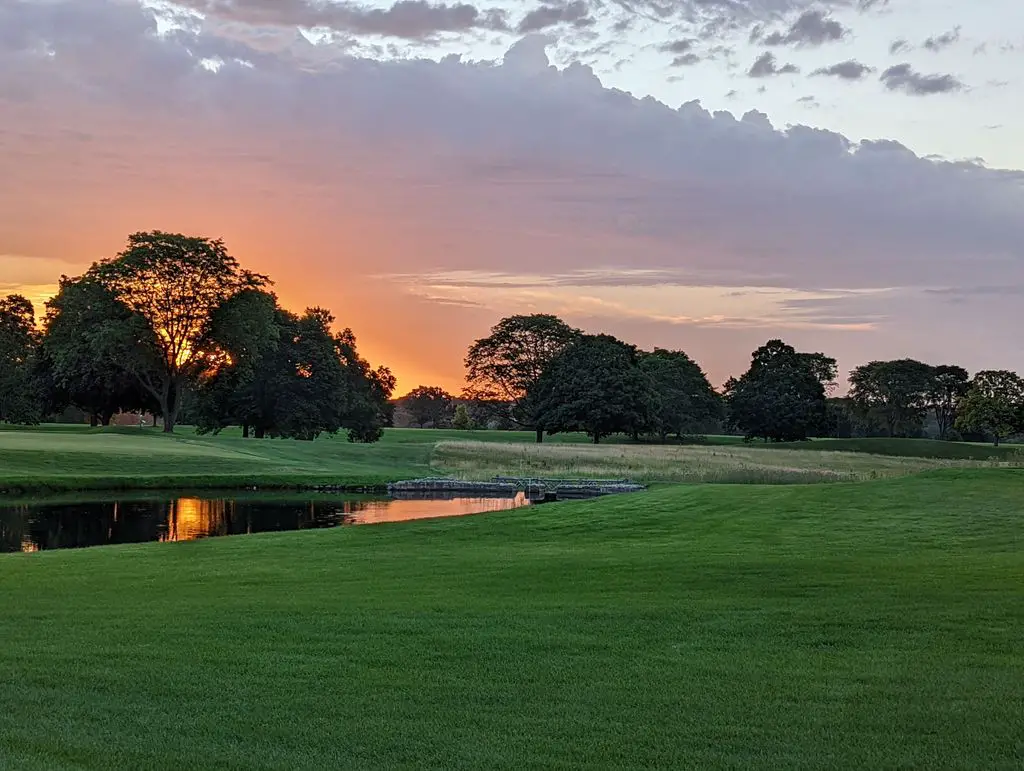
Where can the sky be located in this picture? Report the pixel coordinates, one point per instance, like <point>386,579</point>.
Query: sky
<point>700,175</point>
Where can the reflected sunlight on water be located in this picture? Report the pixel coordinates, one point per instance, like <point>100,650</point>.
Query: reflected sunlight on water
<point>45,525</point>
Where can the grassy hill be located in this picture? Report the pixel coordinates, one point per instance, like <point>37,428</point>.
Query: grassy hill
<point>848,626</point>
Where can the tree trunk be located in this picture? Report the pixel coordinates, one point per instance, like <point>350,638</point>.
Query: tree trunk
<point>94,420</point>
<point>106,417</point>
<point>169,405</point>
<point>997,440</point>
<point>540,435</point>
<point>245,430</point>
<point>260,432</point>
<point>597,439</point>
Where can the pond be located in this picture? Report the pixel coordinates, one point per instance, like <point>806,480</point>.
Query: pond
<point>69,524</point>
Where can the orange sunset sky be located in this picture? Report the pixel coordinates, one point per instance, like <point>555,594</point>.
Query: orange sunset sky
<point>421,199</point>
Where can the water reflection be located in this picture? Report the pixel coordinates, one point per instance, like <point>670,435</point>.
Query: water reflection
<point>40,525</point>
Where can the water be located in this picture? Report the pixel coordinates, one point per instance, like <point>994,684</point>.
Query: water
<point>61,524</point>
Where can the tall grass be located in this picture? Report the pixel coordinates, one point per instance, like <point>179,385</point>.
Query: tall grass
<point>692,464</point>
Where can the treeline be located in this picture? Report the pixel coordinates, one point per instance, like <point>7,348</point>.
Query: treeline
<point>175,327</point>
<point>535,372</point>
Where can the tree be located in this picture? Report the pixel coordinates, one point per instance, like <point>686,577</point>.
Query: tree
<point>597,386</point>
<point>994,405</point>
<point>172,284</point>
<point>247,332</point>
<point>367,407</point>
<point>86,330</point>
<point>19,394</point>
<point>781,397</point>
<point>462,421</point>
<point>291,376</point>
<point>504,367</point>
<point>684,400</point>
<point>429,405</point>
<point>896,392</point>
<point>949,385</point>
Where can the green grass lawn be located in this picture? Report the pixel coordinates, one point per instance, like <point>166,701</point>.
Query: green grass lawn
<point>869,625</point>
<point>61,458</point>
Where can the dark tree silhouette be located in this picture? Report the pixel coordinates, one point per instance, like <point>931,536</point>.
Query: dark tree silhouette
<point>502,368</point>
<point>596,386</point>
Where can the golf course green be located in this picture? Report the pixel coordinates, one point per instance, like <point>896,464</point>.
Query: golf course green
<point>873,624</point>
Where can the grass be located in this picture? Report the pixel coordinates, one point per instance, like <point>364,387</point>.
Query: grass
<point>689,464</point>
<point>51,459</point>
<point>133,458</point>
<point>871,625</point>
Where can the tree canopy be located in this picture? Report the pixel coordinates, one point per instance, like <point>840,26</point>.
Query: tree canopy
<point>504,367</point>
<point>949,385</point>
<point>430,405</point>
<point>173,285</point>
<point>684,402</point>
<point>994,405</point>
<point>87,333</point>
<point>782,396</point>
<point>19,402</point>
<point>596,386</point>
<point>894,392</point>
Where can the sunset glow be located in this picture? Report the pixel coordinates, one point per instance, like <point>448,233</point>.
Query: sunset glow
<point>421,198</point>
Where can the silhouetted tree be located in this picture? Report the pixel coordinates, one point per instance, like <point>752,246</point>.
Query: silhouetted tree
<point>684,401</point>
<point>504,367</point>
<point>86,331</point>
<point>172,284</point>
<point>994,406</point>
<point>596,386</point>
<point>781,397</point>
<point>290,376</point>
<point>948,386</point>
<point>430,405</point>
<point>896,392</point>
<point>20,400</point>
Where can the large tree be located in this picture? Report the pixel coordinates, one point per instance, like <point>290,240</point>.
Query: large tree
<point>949,385</point>
<point>173,284</point>
<point>895,392</point>
<point>290,376</point>
<point>19,394</point>
<point>994,406</point>
<point>87,333</point>
<point>782,396</point>
<point>504,367</point>
<point>684,400</point>
<point>596,386</point>
<point>430,405</point>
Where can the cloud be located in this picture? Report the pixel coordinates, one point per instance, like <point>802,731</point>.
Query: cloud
<point>617,294</point>
<point>848,70</point>
<point>766,66</point>
<point>681,46</point>
<point>903,77</point>
<point>900,46</point>
<point>811,28</point>
<point>574,12</point>
<point>411,19</point>
<point>321,167</point>
<point>809,101</point>
<point>686,60</point>
<point>938,42</point>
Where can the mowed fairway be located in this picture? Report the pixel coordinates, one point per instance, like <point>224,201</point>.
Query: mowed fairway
<point>133,458</point>
<point>869,625</point>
